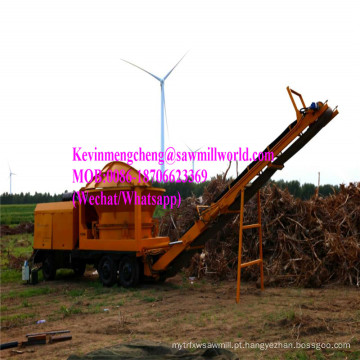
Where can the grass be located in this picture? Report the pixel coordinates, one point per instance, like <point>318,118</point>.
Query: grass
<point>16,319</point>
<point>150,299</point>
<point>9,276</point>
<point>25,304</point>
<point>14,276</point>
<point>91,308</point>
<point>27,293</point>
<point>76,292</point>
<point>16,214</point>
<point>17,244</point>
<point>281,315</point>
<point>99,289</point>
<point>95,308</point>
<point>67,311</point>
<point>121,302</point>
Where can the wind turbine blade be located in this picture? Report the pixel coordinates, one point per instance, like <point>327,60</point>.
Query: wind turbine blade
<point>188,148</point>
<point>167,75</point>
<point>157,78</point>
<point>199,148</point>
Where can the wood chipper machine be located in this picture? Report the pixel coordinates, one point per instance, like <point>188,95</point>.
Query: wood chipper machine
<point>122,241</point>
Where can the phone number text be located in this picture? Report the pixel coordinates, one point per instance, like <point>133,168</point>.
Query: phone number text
<point>143,176</point>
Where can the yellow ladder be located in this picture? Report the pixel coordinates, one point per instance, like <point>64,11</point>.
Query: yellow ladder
<point>253,262</point>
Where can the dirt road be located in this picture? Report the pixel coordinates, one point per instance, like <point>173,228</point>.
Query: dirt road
<point>179,311</point>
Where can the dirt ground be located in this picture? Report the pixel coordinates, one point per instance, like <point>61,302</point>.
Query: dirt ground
<point>181,311</point>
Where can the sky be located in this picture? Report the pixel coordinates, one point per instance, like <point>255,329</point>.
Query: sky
<point>63,84</point>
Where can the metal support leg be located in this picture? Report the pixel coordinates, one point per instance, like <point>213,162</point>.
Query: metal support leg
<point>240,246</point>
<point>260,242</point>
<point>254,262</point>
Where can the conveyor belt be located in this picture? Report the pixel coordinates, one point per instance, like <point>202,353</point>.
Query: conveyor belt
<point>283,158</point>
<point>218,223</point>
<point>207,227</point>
<point>262,179</point>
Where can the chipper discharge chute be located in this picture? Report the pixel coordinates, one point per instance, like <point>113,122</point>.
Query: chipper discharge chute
<point>122,240</point>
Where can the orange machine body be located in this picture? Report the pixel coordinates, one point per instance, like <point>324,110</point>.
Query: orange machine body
<point>130,227</point>
<point>56,226</point>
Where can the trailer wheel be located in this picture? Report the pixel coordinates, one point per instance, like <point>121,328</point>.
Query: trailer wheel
<point>128,271</point>
<point>107,271</point>
<point>49,268</point>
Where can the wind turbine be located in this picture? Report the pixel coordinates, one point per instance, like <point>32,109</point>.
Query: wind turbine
<point>193,161</point>
<point>163,110</point>
<point>11,174</point>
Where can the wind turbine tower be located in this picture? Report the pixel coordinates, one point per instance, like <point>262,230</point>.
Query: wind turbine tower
<point>11,174</point>
<point>162,99</point>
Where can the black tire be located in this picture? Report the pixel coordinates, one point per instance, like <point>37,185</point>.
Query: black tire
<point>107,270</point>
<point>49,268</point>
<point>79,268</point>
<point>128,271</point>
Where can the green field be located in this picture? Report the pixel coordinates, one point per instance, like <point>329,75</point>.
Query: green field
<point>16,214</point>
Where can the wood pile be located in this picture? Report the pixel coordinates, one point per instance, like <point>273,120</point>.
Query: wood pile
<point>305,243</point>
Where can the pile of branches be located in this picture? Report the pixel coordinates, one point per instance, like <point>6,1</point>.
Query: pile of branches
<point>305,243</point>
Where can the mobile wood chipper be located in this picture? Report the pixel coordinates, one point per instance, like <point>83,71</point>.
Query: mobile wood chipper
<point>122,241</point>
